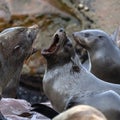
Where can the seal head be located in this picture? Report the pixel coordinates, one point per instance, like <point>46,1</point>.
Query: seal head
<point>91,38</point>
<point>104,54</point>
<point>61,47</point>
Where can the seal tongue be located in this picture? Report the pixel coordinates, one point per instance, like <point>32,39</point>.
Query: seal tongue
<point>53,47</point>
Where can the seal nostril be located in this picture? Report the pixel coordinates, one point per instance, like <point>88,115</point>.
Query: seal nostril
<point>61,30</point>
<point>73,34</point>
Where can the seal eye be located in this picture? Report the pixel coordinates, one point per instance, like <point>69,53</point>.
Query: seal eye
<point>100,37</point>
<point>61,30</point>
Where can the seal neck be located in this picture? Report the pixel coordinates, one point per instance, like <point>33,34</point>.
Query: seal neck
<point>57,60</point>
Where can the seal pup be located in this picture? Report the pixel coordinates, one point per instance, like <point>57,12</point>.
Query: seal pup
<point>15,47</point>
<point>65,76</point>
<point>103,53</point>
<point>81,112</point>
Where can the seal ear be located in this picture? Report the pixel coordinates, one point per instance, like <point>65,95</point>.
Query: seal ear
<point>115,36</point>
<point>16,47</point>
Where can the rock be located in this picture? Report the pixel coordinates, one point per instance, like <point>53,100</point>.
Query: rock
<point>5,14</point>
<point>34,64</point>
<point>14,106</point>
<point>107,15</point>
<point>16,109</point>
<point>104,13</point>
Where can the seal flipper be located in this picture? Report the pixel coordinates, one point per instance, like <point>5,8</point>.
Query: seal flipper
<point>44,110</point>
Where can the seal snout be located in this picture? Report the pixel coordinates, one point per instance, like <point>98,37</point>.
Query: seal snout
<point>56,39</point>
<point>79,38</point>
<point>73,34</point>
<point>32,32</point>
<point>76,36</point>
<point>61,32</point>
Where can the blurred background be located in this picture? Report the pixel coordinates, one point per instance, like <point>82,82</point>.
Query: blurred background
<point>73,15</point>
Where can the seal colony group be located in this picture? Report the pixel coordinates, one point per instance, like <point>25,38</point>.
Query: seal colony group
<point>67,83</point>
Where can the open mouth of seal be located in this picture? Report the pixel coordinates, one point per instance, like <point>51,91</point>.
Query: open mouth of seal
<point>53,47</point>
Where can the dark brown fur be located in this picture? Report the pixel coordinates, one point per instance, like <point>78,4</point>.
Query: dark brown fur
<point>15,47</point>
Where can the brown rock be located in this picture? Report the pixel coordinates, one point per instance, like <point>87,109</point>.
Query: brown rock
<point>16,109</point>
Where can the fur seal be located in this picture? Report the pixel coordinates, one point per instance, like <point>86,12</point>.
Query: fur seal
<point>15,47</point>
<point>65,77</point>
<point>81,112</point>
<point>103,53</point>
